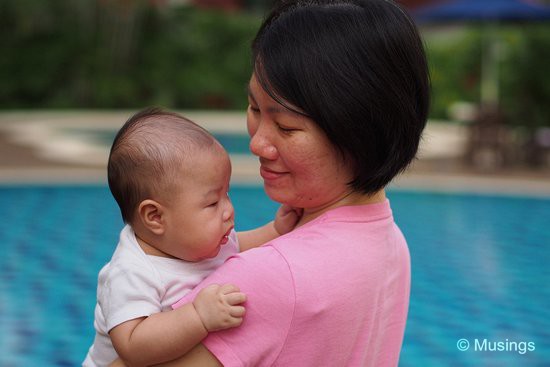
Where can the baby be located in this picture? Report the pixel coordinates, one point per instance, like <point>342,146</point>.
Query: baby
<point>170,178</point>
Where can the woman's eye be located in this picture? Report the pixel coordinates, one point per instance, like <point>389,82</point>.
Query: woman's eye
<point>285,130</point>
<point>253,109</point>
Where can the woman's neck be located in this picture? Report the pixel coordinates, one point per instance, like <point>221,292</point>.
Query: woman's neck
<point>348,199</point>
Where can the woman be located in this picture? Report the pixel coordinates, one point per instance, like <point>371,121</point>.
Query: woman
<point>338,101</point>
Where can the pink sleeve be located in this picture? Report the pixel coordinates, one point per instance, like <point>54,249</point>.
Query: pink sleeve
<point>264,276</point>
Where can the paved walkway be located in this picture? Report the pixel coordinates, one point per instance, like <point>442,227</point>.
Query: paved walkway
<point>57,147</point>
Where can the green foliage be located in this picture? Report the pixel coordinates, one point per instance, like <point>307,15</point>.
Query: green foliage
<point>130,54</point>
<point>454,70</point>
<point>524,75</point>
<point>112,54</point>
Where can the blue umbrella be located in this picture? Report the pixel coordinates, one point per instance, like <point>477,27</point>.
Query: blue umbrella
<point>489,11</point>
<point>480,10</point>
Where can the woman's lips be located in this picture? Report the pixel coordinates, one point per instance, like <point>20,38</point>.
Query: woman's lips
<point>268,174</point>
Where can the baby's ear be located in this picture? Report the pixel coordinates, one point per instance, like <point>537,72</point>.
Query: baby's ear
<point>151,215</point>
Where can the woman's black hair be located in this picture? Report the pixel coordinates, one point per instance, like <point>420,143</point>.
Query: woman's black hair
<point>358,69</point>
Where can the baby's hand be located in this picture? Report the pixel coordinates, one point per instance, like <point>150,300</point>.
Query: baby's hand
<point>218,306</point>
<point>286,218</point>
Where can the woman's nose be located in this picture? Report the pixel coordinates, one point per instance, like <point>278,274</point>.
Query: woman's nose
<point>261,145</point>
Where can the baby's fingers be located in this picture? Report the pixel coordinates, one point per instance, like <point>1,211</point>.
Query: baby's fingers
<point>237,311</point>
<point>235,298</point>
<point>228,288</point>
<point>234,322</point>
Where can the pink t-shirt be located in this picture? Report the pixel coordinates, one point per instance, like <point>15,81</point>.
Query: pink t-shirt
<point>334,292</point>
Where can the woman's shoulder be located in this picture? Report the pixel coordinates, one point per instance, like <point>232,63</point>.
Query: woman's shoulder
<point>256,258</point>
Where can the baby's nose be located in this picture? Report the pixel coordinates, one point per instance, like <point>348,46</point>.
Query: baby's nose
<point>228,213</point>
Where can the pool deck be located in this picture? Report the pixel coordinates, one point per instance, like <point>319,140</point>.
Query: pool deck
<point>37,148</point>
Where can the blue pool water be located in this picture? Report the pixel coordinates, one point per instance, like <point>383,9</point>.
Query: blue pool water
<point>234,143</point>
<point>480,271</point>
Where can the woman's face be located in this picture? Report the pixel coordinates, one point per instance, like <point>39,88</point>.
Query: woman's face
<point>299,165</point>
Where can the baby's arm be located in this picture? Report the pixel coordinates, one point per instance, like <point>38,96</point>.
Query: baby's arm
<point>285,221</point>
<point>164,336</point>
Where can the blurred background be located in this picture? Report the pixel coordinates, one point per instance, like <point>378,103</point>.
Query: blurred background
<point>488,59</point>
<point>474,205</point>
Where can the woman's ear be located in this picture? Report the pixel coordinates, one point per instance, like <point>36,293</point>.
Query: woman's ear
<point>151,214</point>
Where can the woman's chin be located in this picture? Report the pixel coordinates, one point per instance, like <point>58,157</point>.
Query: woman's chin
<point>275,193</point>
<point>280,195</point>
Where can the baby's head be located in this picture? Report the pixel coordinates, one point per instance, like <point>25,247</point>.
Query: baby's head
<point>170,178</point>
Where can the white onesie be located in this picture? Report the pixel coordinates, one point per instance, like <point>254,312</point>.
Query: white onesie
<point>134,284</point>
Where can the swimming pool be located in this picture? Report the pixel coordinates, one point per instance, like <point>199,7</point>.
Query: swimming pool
<point>480,271</point>
<point>235,142</point>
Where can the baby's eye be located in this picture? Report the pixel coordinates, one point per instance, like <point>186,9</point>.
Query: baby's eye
<point>213,204</point>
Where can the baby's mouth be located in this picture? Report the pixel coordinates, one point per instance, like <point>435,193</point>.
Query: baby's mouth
<point>225,237</point>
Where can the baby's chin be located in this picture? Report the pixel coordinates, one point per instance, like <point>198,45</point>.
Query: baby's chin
<point>211,255</point>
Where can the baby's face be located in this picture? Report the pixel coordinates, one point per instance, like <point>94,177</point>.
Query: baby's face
<point>200,215</point>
